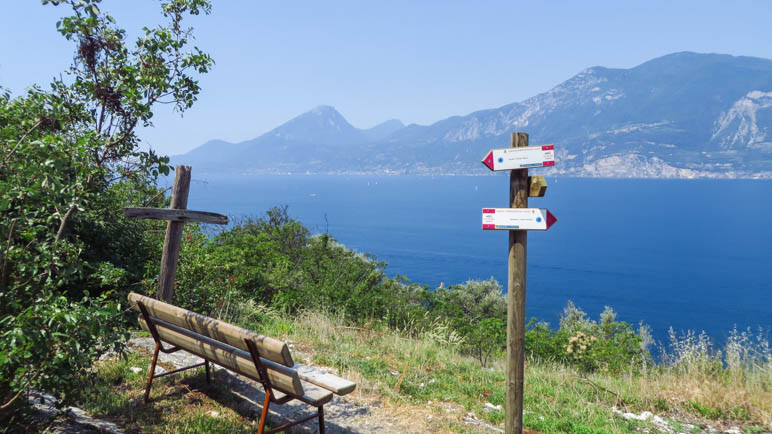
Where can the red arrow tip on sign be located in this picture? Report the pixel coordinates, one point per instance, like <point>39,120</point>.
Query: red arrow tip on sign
<point>488,160</point>
<point>551,219</point>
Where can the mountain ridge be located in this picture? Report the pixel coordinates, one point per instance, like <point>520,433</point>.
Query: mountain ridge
<point>684,115</point>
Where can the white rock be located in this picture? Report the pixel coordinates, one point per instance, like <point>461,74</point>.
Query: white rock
<point>135,369</point>
<point>108,356</point>
<point>490,407</point>
<point>659,422</point>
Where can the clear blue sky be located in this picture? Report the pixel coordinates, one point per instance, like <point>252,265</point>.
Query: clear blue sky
<point>417,61</point>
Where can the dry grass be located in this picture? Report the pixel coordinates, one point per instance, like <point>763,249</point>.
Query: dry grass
<point>421,374</point>
<point>184,403</point>
<point>694,382</point>
<point>418,380</point>
<point>712,397</point>
<point>734,382</point>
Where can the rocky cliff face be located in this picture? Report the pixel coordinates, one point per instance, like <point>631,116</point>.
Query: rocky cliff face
<point>746,124</point>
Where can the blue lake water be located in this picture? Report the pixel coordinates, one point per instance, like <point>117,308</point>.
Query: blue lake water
<point>688,254</point>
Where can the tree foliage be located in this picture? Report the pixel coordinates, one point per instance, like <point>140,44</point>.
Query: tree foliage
<point>69,161</point>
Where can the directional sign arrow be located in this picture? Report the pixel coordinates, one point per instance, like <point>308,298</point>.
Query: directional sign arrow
<point>526,219</point>
<point>520,158</point>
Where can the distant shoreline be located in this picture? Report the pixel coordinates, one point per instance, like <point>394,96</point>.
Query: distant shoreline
<point>764,176</point>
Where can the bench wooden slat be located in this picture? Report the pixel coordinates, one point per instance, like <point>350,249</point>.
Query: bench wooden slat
<point>228,359</point>
<point>328,381</point>
<point>271,349</point>
<point>285,380</point>
<point>314,395</point>
<point>278,367</point>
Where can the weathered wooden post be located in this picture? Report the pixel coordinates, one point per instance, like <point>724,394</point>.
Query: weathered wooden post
<point>173,237</point>
<point>177,215</point>
<point>518,245</point>
<point>518,219</point>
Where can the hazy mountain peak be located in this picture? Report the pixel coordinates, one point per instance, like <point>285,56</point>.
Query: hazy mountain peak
<point>390,122</point>
<point>321,126</point>
<point>384,129</point>
<point>322,110</point>
<point>326,112</point>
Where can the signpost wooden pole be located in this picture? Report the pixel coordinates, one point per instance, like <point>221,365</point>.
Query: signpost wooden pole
<point>518,219</point>
<point>177,215</point>
<point>519,189</point>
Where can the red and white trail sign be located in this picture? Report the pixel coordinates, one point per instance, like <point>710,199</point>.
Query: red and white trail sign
<point>520,158</point>
<point>526,219</point>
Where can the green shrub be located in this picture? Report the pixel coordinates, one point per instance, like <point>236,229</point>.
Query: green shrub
<point>486,337</point>
<point>478,311</point>
<point>608,345</point>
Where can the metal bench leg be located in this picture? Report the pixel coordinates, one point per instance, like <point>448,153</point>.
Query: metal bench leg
<point>321,419</point>
<point>208,377</point>
<point>152,371</point>
<point>264,415</point>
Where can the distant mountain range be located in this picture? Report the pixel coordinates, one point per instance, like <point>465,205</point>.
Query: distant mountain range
<point>684,115</point>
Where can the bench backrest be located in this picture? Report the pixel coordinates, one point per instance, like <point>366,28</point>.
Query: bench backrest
<point>221,342</point>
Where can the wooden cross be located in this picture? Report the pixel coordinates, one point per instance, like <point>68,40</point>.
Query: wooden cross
<point>177,215</point>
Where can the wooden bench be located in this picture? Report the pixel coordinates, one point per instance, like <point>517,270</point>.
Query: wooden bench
<point>255,356</point>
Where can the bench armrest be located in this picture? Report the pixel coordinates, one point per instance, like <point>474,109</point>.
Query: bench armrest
<point>333,383</point>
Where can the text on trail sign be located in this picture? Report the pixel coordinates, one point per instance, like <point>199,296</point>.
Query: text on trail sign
<point>520,158</point>
<point>526,219</point>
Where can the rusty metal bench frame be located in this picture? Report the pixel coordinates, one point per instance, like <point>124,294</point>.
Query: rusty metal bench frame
<point>263,378</point>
